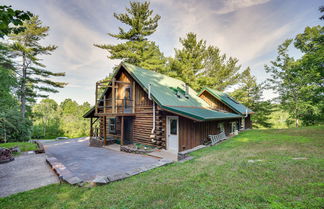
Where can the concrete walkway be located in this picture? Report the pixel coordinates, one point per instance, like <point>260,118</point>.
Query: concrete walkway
<point>89,163</point>
<point>26,172</point>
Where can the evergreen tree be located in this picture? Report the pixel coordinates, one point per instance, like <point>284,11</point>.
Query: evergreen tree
<point>189,61</point>
<point>250,94</point>
<point>137,49</point>
<point>220,72</point>
<point>12,125</point>
<point>200,66</point>
<point>33,77</point>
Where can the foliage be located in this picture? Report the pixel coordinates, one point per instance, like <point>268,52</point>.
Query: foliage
<point>199,65</point>
<point>218,177</point>
<point>300,83</point>
<point>250,94</point>
<point>221,72</point>
<point>9,17</point>
<point>52,120</point>
<point>137,49</point>
<point>321,9</point>
<point>12,125</point>
<point>33,77</point>
<point>72,123</point>
<point>280,119</point>
<point>189,61</point>
<point>46,119</point>
<point>23,146</point>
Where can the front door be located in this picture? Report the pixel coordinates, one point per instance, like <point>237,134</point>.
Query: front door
<point>128,130</point>
<point>173,133</point>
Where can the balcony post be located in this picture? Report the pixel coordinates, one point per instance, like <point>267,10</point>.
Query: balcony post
<point>96,102</point>
<point>113,96</point>
<point>105,103</point>
<point>133,96</point>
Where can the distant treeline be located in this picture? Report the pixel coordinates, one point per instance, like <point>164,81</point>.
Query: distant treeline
<point>51,119</point>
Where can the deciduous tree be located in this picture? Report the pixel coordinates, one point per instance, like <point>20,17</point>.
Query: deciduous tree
<point>300,83</point>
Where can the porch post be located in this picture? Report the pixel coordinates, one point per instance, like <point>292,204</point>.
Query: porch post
<point>105,130</point>
<point>122,131</point>
<point>91,128</point>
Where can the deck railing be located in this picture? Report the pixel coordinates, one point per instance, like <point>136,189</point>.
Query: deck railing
<point>120,106</point>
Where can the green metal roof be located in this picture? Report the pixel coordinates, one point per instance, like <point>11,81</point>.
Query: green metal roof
<point>202,113</point>
<point>164,88</point>
<point>164,92</point>
<point>229,101</point>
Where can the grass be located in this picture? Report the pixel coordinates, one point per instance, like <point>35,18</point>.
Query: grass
<point>218,177</point>
<point>24,146</point>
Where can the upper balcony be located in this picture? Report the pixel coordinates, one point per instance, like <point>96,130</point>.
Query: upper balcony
<point>115,98</point>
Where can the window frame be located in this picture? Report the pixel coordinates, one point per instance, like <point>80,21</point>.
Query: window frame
<point>110,125</point>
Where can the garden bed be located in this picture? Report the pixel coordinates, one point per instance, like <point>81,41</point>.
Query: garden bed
<point>137,148</point>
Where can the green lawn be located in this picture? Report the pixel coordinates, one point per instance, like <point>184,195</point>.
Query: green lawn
<point>218,177</point>
<point>24,146</point>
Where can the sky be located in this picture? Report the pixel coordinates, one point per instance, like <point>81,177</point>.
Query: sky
<point>249,30</point>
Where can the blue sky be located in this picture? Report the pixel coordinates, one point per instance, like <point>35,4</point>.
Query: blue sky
<point>250,30</point>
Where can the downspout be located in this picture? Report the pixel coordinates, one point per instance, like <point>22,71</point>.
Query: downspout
<point>152,136</point>
<point>246,115</point>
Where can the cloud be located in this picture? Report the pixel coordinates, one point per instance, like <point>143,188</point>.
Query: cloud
<point>233,5</point>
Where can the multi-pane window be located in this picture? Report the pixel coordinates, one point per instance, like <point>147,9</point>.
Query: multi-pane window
<point>112,125</point>
<point>221,127</point>
<point>233,127</point>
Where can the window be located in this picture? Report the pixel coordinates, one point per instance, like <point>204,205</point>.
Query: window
<point>112,125</point>
<point>173,126</point>
<point>128,92</point>
<point>221,127</point>
<point>233,127</point>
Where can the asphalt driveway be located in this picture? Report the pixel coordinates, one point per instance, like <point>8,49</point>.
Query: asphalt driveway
<point>88,162</point>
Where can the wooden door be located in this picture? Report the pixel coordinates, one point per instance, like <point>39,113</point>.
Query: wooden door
<point>128,130</point>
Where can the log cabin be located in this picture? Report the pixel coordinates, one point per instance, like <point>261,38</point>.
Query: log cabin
<point>146,107</point>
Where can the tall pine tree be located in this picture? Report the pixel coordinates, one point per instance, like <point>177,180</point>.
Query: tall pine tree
<point>199,65</point>
<point>189,61</point>
<point>220,72</point>
<point>250,94</point>
<point>33,78</point>
<point>137,49</point>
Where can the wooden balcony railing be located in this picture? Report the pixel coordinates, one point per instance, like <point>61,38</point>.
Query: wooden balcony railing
<point>120,106</point>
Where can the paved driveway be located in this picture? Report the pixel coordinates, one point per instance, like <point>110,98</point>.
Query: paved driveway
<point>26,172</point>
<point>88,162</point>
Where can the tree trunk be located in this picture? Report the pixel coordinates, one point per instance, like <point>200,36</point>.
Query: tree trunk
<point>23,88</point>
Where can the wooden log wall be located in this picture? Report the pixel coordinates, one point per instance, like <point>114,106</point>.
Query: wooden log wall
<point>143,121</point>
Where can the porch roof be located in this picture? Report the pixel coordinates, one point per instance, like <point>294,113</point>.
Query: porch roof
<point>90,113</point>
